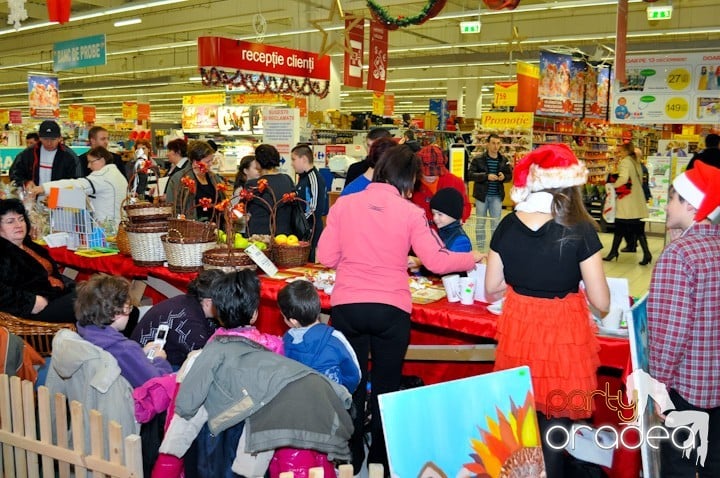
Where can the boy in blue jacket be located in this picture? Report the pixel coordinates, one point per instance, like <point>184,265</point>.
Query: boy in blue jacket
<point>447,207</point>
<point>313,343</point>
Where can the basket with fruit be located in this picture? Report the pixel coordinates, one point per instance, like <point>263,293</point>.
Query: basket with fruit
<point>289,250</point>
<point>230,255</point>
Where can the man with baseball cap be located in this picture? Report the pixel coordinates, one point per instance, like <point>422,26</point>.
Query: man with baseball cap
<point>47,161</point>
<point>683,319</point>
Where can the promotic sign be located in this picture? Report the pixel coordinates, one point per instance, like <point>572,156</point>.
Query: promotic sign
<point>241,55</point>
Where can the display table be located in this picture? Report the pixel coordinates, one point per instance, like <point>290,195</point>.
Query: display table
<point>435,324</point>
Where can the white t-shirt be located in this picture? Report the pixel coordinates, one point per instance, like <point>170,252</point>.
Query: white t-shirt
<point>47,158</point>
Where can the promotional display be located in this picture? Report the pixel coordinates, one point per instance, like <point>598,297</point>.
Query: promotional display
<point>562,85</point>
<point>201,117</point>
<point>44,96</point>
<point>506,93</point>
<point>528,78</point>
<point>597,92</point>
<point>353,64</point>
<point>377,72</point>
<point>468,433</point>
<point>680,88</point>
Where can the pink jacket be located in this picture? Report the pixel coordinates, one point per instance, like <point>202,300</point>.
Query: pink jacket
<point>367,240</point>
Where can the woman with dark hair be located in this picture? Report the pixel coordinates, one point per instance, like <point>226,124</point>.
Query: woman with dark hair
<point>632,208</point>
<point>377,149</point>
<point>188,316</point>
<point>105,186</point>
<point>31,286</point>
<point>269,160</point>
<point>179,163</point>
<point>201,156</point>
<point>538,255</point>
<point>367,240</point>
<point>248,169</point>
<point>103,310</point>
<point>142,173</point>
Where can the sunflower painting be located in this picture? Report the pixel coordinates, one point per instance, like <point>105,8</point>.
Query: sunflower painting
<point>430,431</point>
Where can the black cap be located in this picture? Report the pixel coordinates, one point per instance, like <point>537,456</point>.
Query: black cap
<point>448,201</point>
<point>49,129</point>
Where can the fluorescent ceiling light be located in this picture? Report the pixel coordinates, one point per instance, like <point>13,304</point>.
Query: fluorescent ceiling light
<point>124,23</point>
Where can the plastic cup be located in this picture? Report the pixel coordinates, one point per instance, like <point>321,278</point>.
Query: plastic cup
<point>452,287</point>
<point>467,290</point>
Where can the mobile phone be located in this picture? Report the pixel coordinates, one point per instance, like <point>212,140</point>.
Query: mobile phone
<point>160,339</point>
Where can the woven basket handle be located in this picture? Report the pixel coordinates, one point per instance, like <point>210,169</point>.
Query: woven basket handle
<point>182,239</point>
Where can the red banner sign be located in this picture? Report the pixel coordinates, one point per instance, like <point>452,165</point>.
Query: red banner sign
<point>377,73</point>
<point>16,116</point>
<point>143,111</point>
<point>354,38</point>
<point>389,107</point>
<point>242,55</point>
<point>89,114</point>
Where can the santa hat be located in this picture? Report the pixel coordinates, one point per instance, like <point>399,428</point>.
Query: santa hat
<point>550,166</point>
<point>700,187</point>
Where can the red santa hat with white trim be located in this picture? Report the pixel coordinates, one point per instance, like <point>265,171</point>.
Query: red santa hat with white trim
<point>551,166</point>
<point>700,187</point>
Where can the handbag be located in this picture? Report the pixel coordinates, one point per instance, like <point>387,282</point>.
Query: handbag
<point>620,191</point>
<point>299,224</point>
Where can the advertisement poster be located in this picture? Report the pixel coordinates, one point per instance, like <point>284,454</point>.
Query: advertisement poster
<point>200,117</point>
<point>597,92</point>
<point>234,118</point>
<point>528,76</point>
<point>562,85</point>
<point>377,71</point>
<point>680,88</point>
<point>44,96</point>
<point>129,110</point>
<point>478,426</point>
<point>505,93</point>
<point>353,62</point>
<point>659,182</point>
<point>281,128</point>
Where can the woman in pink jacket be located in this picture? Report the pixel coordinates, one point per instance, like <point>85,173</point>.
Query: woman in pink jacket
<point>367,240</point>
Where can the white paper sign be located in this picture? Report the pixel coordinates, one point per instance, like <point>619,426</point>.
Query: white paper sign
<point>261,260</point>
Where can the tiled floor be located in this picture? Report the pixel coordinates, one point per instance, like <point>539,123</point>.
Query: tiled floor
<point>627,264</point>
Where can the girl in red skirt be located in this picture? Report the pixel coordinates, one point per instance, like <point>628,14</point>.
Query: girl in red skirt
<point>538,255</point>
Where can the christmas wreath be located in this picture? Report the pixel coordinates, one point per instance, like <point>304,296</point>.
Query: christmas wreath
<point>431,9</point>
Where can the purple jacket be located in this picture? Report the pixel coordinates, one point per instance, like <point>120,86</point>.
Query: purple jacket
<point>133,362</point>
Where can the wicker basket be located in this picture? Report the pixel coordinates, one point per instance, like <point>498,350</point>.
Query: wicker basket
<point>291,256</point>
<point>227,259</point>
<point>193,230</point>
<point>184,255</point>
<point>122,241</point>
<point>143,212</point>
<point>145,245</point>
<point>36,333</point>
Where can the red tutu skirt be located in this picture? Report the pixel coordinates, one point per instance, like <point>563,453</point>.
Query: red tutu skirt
<point>556,339</point>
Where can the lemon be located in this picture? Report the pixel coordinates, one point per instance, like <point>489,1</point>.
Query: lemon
<point>281,239</point>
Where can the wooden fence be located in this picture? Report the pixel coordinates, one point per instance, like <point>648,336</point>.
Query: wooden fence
<point>23,415</point>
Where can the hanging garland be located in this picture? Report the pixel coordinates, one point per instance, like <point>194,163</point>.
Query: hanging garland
<point>431,9</point>
<point>262,83</point>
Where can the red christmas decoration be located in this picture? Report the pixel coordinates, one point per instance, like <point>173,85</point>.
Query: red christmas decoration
<point>501,4</point>
<point>58,10</point>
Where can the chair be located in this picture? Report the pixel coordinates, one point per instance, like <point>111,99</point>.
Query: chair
<point>38,334</point>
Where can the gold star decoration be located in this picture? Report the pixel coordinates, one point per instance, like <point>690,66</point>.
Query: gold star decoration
<point>335,10</point>
<point>515,41</point>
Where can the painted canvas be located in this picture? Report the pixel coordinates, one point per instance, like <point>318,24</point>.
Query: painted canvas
<point>483,426</point>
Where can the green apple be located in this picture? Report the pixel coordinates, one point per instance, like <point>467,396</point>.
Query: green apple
<point>222,237</point>
<point>240,242</point>
<point>260,245</point>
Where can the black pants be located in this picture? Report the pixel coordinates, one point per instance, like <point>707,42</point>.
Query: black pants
<point>672,462</point>
<point>59,309</point>
<point>383,331</point>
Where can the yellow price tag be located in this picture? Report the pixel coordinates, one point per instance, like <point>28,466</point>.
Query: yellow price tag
<point>676,108</point>
<point>678,79</point>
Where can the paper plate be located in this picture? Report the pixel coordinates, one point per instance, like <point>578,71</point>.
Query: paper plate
<point>495,307</point>
<point>613,332</point>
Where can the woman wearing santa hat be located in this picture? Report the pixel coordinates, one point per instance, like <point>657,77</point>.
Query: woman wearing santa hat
<point>538,255</point>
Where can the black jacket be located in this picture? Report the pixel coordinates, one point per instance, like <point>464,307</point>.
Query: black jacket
<point>22,278</point>
<point>709,156</point>
<point>26,166</point>
<point>478,172</point>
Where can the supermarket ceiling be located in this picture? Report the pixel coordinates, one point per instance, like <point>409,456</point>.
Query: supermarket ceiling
<point>155,61</point>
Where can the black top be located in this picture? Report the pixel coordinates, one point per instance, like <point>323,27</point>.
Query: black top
<point>205,191</point>
<point>355,170</point>
<point>259,214</point>
<point>709,156</point>
<point>543,263</point>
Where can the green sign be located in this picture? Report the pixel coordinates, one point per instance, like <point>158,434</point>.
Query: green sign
<point>470,27</point>
<point>660,12</point>
<point>79,53</point>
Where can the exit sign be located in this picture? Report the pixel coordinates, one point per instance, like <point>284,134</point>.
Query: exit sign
<point>661,12</point>
<point>470,27</point>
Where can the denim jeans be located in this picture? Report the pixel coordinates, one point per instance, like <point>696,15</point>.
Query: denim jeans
<point>493,205</point>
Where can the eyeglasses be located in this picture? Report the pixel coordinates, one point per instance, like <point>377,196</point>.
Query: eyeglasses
<point>12,220</point>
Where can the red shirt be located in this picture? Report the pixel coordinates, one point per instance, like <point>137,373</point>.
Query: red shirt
<point>684,316</point>
<point>447,180</point>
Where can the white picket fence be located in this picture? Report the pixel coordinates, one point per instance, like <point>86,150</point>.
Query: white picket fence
<point>26,455</point>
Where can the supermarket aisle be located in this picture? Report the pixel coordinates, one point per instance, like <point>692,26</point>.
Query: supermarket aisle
<point>627,264</point>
